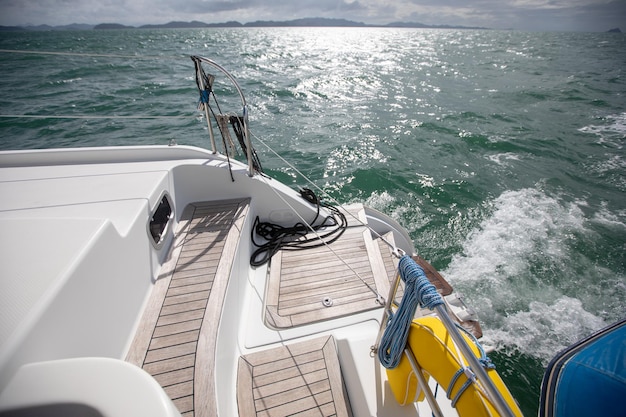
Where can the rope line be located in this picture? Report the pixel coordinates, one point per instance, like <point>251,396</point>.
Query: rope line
<point>379,298</point>
<point>484,361</point>
<point>417,290</point>
<point>203,99</point>
<point>471,378</point>
<point>294,238</point>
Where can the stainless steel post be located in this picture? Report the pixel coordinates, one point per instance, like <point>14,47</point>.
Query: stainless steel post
<point>491,390</point>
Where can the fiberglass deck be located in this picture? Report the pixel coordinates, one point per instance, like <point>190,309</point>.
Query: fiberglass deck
<point>176,338</point>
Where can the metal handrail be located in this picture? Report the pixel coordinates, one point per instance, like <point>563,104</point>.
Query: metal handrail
<point>477,368</point>
<point>481,375</point>
<point>430,397</point>
<point>246,132</point>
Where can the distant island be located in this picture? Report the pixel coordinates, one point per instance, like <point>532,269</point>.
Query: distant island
<point>306,22</point>
<point>74,26</point>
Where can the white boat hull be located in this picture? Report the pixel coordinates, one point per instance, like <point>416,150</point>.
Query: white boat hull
<point>79,265</point>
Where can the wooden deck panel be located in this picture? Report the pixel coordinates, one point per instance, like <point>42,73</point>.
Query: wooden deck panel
<point>298,379</point>
<point>299,281</point>
<point>175,340</point>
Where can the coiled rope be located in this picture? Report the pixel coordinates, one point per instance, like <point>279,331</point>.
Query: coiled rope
<point>295,237</point>
<point>354,217</point>
<point>417,290</point>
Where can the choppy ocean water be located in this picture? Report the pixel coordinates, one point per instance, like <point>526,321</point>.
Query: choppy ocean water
<point>501,152</point>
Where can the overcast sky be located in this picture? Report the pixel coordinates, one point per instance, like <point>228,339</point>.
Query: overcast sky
<point>569,15</point>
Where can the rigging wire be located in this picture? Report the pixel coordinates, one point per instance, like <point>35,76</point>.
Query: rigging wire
<point>204,82</point>
<point>91,55</point>
<point>326,230</point>
<point>396,251</point>
<point>379,298</point>
<point>88,54</point>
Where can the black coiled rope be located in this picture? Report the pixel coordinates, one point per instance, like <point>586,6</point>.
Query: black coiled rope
<point>277,237</point>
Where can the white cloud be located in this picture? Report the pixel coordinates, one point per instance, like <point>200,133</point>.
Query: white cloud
<point>520,14</point>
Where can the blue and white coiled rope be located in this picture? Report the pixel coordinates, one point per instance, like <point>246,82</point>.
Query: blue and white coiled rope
<point>417,290</point>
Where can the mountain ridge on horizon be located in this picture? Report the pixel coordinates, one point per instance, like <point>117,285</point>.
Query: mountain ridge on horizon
<point>303,22</point>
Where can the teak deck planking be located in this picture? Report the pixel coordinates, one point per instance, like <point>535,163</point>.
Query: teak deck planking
<point>296,379</point>
<point>175,341</point>
<point>346,273</point>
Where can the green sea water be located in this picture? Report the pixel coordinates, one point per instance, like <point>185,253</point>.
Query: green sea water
<point>501,152</point>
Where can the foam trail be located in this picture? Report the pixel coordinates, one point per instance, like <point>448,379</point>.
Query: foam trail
<point>518,270</point>
<point>546,329</point>
<point>410,216</point>
<point>611,133</point>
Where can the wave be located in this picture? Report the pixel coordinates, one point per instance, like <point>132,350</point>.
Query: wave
<point>611,133</point>
<point>610,136</point>
<point>545,328</point>
<point>526,271</point>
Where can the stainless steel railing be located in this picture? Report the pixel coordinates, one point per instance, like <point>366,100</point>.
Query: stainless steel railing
<point>208,89</point>
<point>493,394</point>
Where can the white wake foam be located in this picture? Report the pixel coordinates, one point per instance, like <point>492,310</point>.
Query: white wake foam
<point>545,329</point>
<point>410,216</point>
<point>516,269</point>
<point>611,133</point>
<point>522,270</point>
<point>614,220</point>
